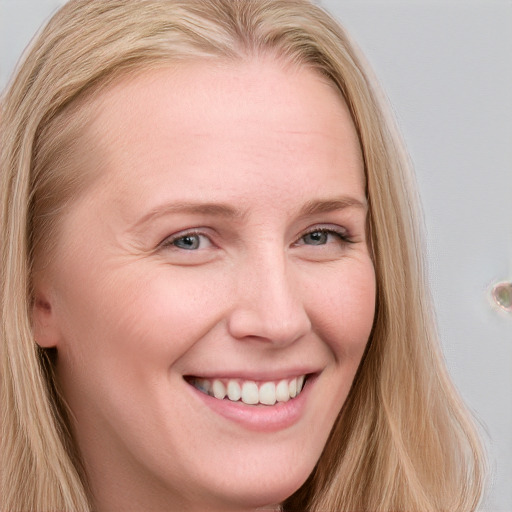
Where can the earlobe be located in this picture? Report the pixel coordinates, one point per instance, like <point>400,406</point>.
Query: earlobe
<point>44,323</point>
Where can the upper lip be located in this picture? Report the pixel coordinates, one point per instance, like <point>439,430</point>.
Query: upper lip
<point>255,375</point>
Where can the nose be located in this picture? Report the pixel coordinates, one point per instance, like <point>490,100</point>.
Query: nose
<point>268,303</point>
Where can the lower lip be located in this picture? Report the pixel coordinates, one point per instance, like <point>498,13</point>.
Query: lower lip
<point>260,418</point>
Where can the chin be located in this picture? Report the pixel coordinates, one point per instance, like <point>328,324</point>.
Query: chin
<point>263,489</point>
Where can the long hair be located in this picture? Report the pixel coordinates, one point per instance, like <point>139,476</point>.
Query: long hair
<point>403,440</point>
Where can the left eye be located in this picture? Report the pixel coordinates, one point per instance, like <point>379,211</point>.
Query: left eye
<point>189,242</point>
<point>321,237</point>
<point>316,238</point>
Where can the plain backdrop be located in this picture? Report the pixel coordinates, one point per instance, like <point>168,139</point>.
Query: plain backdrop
<point>446,67</point>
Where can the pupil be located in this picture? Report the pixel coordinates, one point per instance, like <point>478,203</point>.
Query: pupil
<point>317,237</point>
<point>188,242</point>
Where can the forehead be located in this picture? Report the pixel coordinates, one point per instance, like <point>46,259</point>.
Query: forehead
<point>212,96</point>
<point>233,120</point>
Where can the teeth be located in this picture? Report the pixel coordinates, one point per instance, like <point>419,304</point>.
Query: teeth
<point>250,394</point>
<point>282,391</point>
<point>268,393</point>
<point>234,391</point>
<point>292,386</point>
<point>204,385</point>
<point>219,390</point>
<point>300,383</point>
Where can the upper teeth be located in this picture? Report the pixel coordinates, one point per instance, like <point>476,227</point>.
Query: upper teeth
<point>250,392</point>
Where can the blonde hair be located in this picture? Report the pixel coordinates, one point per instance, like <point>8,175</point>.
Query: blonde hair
<point>403,440</point>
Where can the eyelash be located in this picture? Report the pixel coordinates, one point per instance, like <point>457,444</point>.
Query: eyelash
<point>341,234</point>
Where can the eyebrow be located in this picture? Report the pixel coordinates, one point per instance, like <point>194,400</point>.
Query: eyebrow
<point>330,205</point>
<point>210,209</point>
<point>312,207</point>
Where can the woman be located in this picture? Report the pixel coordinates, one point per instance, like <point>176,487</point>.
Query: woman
<point>213,288</point>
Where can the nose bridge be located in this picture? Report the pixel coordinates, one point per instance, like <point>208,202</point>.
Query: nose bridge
<point>268,304</point>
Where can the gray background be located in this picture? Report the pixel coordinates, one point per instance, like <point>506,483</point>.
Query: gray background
<point>447,69</point>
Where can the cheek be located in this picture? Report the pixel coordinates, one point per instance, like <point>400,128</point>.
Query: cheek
<point>342,312</point>
<point>172,309</point>
<point>344,308</point>
<point>139,313</point>
<point>122,334</point>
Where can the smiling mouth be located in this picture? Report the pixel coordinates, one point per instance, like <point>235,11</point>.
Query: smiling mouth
<point>250,392</point>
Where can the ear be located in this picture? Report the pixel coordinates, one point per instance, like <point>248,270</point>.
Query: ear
<point>44,322</point>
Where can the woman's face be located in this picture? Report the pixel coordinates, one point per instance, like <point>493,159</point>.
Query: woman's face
<point>220,249</point>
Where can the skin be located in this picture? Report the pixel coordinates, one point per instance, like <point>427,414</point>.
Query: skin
<point>131,312</point>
